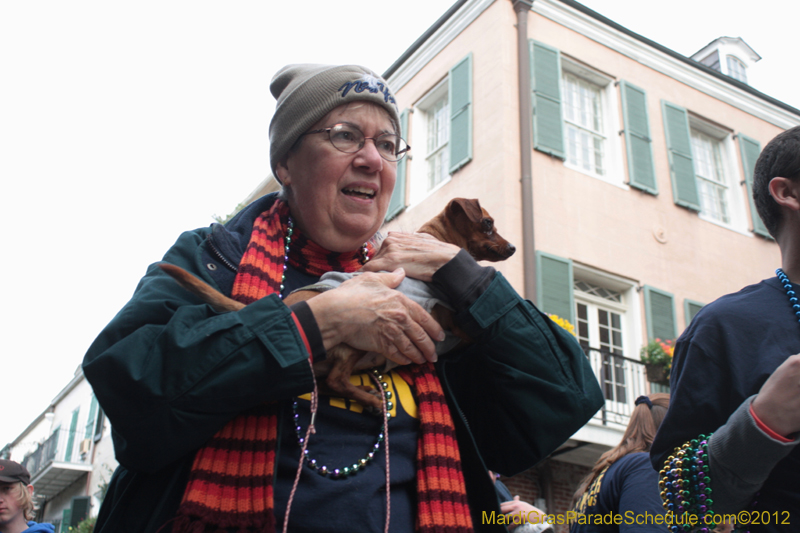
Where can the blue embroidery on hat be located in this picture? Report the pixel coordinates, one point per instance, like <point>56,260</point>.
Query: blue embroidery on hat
<point>368,83</point>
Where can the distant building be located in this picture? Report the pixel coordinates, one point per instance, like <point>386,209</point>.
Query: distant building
<point>69,453</point>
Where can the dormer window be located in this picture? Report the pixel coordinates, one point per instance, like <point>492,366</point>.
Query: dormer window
<point>729,55</point>
<point>736,69</point>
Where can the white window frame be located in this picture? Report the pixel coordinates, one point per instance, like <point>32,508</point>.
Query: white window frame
<point>610,127</point>
<point>730,171</point>
<point>631,320</point>
<point>739,72</point>
<point>419,181</point>
<point>632,332</point>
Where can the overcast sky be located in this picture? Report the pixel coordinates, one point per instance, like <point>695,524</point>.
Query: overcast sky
<point>123,124</point>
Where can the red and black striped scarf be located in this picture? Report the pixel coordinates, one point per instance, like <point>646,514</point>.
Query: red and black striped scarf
<point>231,481</point>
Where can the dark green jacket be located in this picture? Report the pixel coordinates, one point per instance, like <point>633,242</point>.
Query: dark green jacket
<point>169,372</point>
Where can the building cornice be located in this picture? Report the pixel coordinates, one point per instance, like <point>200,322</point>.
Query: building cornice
<point>592,25</point>
<point>602,30</point>
<point>433,41</point>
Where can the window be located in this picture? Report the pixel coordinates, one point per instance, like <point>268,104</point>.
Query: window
<point>441,127</point>
<point>431,131</point>
<point>576,114</point>
<point>583,124</point>
<point>605,311</point>
<point>703,167</point>
<point>588,107</point>
<point>436,152</point>
<point>711,183</point>
<point>736,69</point>
<point>599,318</point>
<point>715,171</point>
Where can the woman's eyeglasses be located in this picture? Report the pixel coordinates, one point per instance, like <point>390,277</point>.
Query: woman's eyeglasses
<point>349,139</point>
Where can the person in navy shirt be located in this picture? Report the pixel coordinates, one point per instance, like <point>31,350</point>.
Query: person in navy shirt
<point>736,371</point>
<point>621,492</point>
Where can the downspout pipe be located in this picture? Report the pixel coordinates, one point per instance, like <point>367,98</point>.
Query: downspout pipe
<point>522,8</point>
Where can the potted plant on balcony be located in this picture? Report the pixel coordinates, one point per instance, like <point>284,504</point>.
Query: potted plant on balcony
<point>657,358</point>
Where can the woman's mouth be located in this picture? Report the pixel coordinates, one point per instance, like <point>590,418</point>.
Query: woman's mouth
<point>360,192</point>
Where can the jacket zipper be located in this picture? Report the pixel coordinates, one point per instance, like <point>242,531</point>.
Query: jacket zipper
<point>221,257</point>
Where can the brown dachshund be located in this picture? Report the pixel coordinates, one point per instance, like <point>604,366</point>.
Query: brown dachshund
<point>463,223</point>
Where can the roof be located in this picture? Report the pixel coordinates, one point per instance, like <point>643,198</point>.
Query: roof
<point>738,42</point>
<point>608,22</point>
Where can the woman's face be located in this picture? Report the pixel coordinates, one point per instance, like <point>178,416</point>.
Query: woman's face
<point>338,199</point>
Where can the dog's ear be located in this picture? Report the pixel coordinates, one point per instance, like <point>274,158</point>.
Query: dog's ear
<point>469,206</point>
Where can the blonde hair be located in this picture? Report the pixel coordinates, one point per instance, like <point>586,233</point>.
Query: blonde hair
<point>24,499</point>
<point>638,437</point>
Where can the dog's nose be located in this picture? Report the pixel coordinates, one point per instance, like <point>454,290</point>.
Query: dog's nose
<point>511,249</point>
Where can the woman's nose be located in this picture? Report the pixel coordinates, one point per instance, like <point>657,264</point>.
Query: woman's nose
<point>369,157</point>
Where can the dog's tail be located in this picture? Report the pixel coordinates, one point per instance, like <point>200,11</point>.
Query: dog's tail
<point>196,286</point>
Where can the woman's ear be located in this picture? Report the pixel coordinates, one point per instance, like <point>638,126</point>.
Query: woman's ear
<point>282,171</point>
<point>786,192</point>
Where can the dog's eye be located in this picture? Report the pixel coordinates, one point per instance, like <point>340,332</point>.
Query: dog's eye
<point>488,224</point>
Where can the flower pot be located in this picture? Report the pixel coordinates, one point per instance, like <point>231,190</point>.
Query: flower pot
<point>656,373</point>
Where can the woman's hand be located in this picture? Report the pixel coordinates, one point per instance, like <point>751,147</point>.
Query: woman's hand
<point>525,513</point>
<point>366,313</point>
<point>419,254</point>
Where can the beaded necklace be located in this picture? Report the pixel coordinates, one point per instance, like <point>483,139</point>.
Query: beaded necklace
<point>337,473</point>
<point>323,470</point>
<point>383,434</point>
<point>287,240</point>
<point>787,286</point>
<point>685,484</point>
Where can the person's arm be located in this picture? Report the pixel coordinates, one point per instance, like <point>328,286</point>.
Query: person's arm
<point>524,377</point>
<point>525,380</point>
<point>169,371</point>
<point>758,435</point>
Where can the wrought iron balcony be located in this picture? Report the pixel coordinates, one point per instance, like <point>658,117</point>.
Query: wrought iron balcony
<point>622,380</point>
<point>59,461</point>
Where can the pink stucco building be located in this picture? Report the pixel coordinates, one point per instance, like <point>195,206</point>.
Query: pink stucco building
<point>619,168</point>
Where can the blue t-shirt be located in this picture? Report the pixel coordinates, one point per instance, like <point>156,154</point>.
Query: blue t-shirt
<point>626,492</point>
<point>345,434</point>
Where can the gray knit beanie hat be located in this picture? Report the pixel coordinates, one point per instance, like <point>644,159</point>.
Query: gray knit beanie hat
<point>306,93</point>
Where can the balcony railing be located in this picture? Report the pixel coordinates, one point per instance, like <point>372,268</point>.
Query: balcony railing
<point>59,461</point>
<point>622,380</point>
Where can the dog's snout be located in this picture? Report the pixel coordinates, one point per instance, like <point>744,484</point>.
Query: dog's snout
<point>511,249</point>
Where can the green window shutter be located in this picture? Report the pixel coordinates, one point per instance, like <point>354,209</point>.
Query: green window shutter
<point>459,91</point>
<point>398,200</point>
<point>660,311</point>
<point>639,145</point>
<point>90,421</point>
<point>548,126</point>
<point>750,149</point>
<point>73,428</point>
<point>679,147</point>
<point>66,519</point>
<point>554,286</point>
<point>690,309</point>
<point>79,510</point>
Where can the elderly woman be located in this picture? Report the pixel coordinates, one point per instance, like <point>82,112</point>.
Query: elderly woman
<point>210,410</point>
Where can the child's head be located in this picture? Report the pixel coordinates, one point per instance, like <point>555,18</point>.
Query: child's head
<point>16,492</point>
